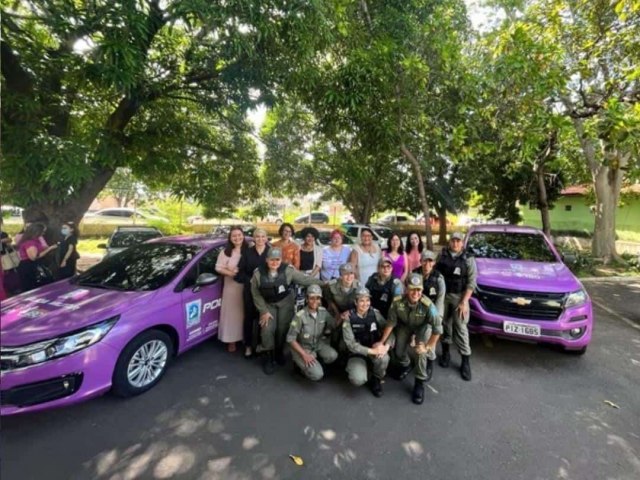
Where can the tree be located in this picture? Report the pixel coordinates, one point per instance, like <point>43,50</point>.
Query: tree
<point>586,56</point>
<point>158,87</point>
<point>124,187</point>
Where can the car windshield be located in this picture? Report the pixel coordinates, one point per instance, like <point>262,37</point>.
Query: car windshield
<point>146,266</point>
<point>384,232</point>
<point>510,246</point>
<point>127,239</point>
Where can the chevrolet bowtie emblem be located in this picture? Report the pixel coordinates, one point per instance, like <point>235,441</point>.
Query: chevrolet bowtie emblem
<point>521,301</point>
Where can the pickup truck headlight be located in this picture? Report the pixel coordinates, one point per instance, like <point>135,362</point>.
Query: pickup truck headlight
<point>28,355</point>
<point>575,299</point>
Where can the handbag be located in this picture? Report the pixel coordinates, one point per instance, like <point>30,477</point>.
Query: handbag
<point>10,260</point>
<point>43,275</point>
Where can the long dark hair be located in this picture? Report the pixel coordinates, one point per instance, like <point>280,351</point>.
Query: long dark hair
<point>32,232</point>
<point>400,248</point>
<point>420,244</point>
<point>228,248</point>
<point>75,232</point>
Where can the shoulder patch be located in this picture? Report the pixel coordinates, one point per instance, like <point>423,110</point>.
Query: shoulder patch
<point>426,301</point>
<point>345,324</point>
<point>397,298</point>
<point>294,323</point>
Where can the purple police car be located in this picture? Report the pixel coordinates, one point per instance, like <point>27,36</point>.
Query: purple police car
<point>116,326</point>
<point>525,291</point>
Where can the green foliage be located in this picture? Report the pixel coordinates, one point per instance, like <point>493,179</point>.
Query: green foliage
<point>158,87</point>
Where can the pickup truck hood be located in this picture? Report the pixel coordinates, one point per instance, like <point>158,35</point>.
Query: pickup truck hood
<point>526,276</point>
<point>60,308</point>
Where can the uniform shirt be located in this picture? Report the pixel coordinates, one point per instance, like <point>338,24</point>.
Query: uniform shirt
<point>472,272</point>
<point>350,339</point>
<point>344,300</point>
<point>292,276</point>
<point>417,318</point>
<point>441,292</point>
<point>309,330</point>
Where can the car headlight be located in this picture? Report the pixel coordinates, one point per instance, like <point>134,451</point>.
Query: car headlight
<point>576,298</point>
<point>20,357</point>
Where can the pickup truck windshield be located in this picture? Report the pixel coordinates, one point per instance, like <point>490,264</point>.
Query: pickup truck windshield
<point>510,246</point>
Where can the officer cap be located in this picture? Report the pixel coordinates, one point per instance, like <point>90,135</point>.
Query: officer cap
<point>362,292</point>
<point>457,236</point>
<point>274,253</point>
<point>314,291</point>
<point>427,255</point>
<point>346,268</point>
<point>414,281</point>
<point>384,260</point>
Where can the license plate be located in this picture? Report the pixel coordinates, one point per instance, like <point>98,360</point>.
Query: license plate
<point>521,329</point>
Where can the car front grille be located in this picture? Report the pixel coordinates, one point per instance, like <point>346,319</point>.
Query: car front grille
<point>518,304</point>
<point>40,392</point>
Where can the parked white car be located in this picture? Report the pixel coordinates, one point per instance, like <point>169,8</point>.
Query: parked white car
<point>122,215</point>
<point>380,233</point>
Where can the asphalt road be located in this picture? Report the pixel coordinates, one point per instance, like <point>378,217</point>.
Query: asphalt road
<point>530,412</point>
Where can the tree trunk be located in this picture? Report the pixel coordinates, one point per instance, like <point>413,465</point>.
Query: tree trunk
<point>72,210</point>
<point>607,183</point>
<point>543,203</point>
<point>442,225</point>
<point>423,194</point>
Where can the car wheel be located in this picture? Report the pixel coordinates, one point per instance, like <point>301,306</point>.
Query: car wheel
<point>582,351</point>
<point>142,363</point>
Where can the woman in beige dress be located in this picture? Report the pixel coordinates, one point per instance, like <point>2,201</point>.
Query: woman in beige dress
<point>232,309</point>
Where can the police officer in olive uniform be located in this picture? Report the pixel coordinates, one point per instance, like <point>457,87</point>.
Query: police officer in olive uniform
<point>308,336</point>
<point>409,316</point>
<point>459,271</point>
<point>361,331</point>
<point>433,285</point>
<point>341,292</point>
<point>274,297</point>
<point>383,287</point>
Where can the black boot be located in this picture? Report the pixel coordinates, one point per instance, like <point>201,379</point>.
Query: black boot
<point>445,358</point>
<point>280,358</point>
<point>429,370</point>
<point>376,386</point>
<point>465,368</point>
<point>269,363</point>
<point>417,396</point>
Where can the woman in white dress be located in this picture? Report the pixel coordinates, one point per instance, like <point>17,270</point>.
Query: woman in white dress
<point>365,256</point>
<point>232,309</point>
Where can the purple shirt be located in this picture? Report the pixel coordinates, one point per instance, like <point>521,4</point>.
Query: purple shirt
<point>22,249</point>
<point>397,265</point>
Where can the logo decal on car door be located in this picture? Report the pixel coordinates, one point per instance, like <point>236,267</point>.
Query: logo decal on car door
<point>194,313</point>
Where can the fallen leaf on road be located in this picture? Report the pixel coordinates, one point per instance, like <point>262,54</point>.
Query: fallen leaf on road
<point>297,460</point>
<point>611,404</point>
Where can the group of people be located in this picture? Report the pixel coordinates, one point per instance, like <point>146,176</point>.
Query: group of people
<point>372,310</point>
<point>29,262</point>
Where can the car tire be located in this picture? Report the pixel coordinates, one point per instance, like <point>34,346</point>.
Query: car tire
<point>151,352</point>
<point>582,351</point>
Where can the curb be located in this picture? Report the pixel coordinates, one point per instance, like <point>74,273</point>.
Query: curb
<point>617,279</point>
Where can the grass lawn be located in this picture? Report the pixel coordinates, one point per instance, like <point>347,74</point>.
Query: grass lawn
<point>89,246</point>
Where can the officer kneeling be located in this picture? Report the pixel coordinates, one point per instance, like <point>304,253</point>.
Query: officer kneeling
<point>308,338</point>
<point>362,333</point>
<point>272,290</point>
<point>414,315</point>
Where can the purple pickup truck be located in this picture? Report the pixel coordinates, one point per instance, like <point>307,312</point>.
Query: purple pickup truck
<point>117,326</point>
<point>525,291</point>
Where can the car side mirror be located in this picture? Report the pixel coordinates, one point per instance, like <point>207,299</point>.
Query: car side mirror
<point>102,245</point>
<point>205,279</point>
